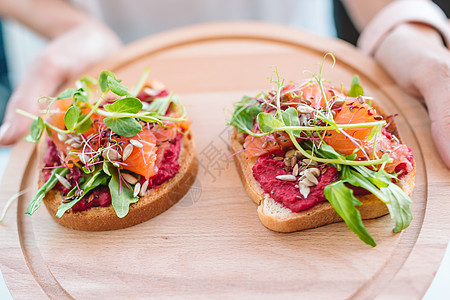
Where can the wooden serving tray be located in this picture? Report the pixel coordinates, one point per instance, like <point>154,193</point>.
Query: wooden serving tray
<point>212,244</point>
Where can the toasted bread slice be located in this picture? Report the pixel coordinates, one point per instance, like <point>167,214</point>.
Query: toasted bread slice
<point>278,218</point>
<point>155,202</point>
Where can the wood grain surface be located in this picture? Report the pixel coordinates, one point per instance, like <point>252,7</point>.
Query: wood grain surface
<point>211,244</point>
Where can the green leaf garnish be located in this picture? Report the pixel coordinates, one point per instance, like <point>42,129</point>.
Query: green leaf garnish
<point>343,202</point>
<point>83,126</point>
<point>36,130</point>
<point>245,112</point>
<point>126,127</point>
<point>71,117</point>
<point>47,186</point>
<point>125,105</point>
<point>121,196</point>
<point>356,89</point>
<point>268,123</point>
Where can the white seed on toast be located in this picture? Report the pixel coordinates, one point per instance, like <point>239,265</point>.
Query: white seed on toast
<point>111,154</point>
<point>63,181</point>
<point>143,188</point>
<point>287,177</point>
<point>127,151</point>
<point>136,143</point>
<point>129,178</point>
<point>137,189</point>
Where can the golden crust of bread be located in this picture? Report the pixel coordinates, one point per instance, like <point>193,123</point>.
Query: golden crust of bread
<point>152,204</point>
<point>275,217</point>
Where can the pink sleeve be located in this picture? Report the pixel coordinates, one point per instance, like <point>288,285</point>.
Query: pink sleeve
<point>403,11</point>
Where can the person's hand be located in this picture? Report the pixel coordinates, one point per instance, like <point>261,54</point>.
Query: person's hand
<point>66,56</point>
<point>416,58</point>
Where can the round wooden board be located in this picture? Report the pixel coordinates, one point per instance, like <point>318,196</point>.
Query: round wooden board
<point>212,244</point>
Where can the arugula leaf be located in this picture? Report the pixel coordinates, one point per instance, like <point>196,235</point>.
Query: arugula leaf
<point>85,126</point>
<point>290,118</point>
<point>245,112</point>
<point>398,205</point>
<point>121,197</point>
<point>47,186</point>
<point>268,123</point>
<point>125,105</point>
<point>36,129</point>
<point>96,179</point>
<point>356,89</point>
<point>126,127</point>
<point>343,202</point>
<point>71,117</point>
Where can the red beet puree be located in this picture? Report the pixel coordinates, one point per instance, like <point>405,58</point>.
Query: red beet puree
<point>266,169</point>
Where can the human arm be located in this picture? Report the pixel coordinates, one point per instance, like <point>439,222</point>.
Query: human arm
<point>416,57</point>
<point>77,41</point>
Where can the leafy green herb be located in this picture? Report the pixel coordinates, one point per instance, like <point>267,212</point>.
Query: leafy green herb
<point>245,112</point>
<point>83,126</point>
<point>343,202</point>
<point>47,186</point>
<point>125,105</point>
<point>290,118</point>
<point>121,196</point>
<point>268,123</point>
<point>356,89</point>
<point>71,117</point>
<point>127,126</point>
<point>36,129</point>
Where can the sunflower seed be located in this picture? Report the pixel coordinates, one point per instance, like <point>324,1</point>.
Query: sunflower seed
<point>278,158</point>
<point>306,101</point>
<point>304,190</point>
<point>339,102</point>
<point>127,151</point>
<point>305,181</point>
<point>111,154</point>
<point>137,189</point>
<point>136,143</point>
<point>75,145</point>
<point>310,162</point>
<point>63,181</point>
<point>311,177</point>
<point>62,137</point>
<point>314,171</point>
<point>286,177</point>
<point>129,178</point>
<point>304,109</point>
<point>143,188</point>
<point>290,153</point>
<point>293,160</point>
<point>295,170</point>
<point>360,100</point>
<point>264,145</point>
<point>151,92</point>
<point>287,161</point>
<point>83,157</point>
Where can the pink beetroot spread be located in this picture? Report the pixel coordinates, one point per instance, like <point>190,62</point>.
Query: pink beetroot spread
<point>100,196</point>
<point>265,171</point>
